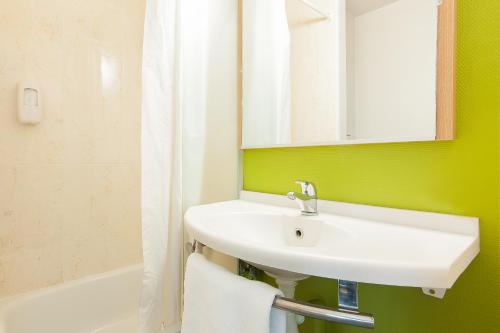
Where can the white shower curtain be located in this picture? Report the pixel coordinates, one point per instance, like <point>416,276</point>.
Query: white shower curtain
<point>161,171</point>
<point>189,136</point>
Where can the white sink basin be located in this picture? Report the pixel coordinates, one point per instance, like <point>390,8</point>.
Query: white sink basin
<point>345,241</point>
<point>274,229</point>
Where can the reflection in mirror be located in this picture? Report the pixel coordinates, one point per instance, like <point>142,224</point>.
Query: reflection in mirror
<point>365,73</point>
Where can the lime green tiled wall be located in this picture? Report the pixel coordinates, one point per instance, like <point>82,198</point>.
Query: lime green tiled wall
<point>459,177</point>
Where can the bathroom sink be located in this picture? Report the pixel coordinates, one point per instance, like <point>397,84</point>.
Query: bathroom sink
<point>274,230</point>
<point>345,241</point>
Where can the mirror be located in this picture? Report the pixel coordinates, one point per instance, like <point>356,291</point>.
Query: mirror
<point>327,72</point>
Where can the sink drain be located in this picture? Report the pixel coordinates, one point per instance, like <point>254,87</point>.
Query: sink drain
<point>299,233</point>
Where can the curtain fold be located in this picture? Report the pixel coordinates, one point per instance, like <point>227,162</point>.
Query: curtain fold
<point>189,137</point>
<point>161,171</point>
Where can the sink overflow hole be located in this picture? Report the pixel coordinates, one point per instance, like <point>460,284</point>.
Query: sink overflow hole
<point>299,233</point>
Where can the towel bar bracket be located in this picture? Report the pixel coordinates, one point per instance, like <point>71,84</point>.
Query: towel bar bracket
<point>193,247</point>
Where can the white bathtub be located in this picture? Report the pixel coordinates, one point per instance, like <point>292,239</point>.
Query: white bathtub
<point>105,303</point>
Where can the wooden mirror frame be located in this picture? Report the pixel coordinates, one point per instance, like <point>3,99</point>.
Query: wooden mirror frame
<point>446,71</point>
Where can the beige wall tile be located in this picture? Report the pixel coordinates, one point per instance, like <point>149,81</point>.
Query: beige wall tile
<point>70,186</point>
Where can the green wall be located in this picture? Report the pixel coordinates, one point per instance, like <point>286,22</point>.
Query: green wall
<point>459,177</point>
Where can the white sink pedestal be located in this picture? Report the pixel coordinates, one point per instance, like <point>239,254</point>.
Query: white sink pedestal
<point>287,283</point>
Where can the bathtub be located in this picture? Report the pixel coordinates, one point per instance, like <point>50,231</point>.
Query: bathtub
<point>105,303</point>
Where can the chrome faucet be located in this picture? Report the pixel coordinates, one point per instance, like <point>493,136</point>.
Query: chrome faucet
<point>307,199</point>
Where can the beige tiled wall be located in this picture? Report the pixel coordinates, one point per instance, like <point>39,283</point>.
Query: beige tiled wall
<point>70,186</point>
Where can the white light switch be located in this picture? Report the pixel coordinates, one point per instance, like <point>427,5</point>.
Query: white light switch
<point>29,108</point>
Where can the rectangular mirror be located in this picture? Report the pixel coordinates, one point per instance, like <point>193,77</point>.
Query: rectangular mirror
<point>328,72</point>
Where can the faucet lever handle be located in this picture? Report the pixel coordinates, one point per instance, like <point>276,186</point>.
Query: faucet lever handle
<point>308,188</point>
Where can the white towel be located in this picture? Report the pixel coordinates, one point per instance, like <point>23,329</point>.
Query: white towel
<point>217,301</point>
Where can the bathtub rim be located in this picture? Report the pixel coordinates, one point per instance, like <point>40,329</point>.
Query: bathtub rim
<point>11,300</point>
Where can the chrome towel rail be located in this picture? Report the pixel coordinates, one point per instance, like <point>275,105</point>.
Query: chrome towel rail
<point>341,316</point>
<point>346,317</point>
